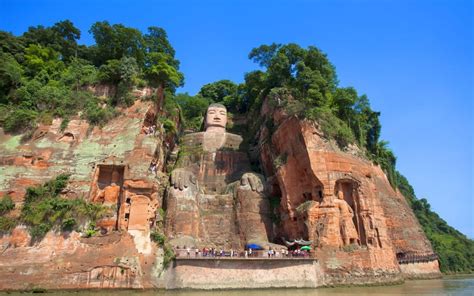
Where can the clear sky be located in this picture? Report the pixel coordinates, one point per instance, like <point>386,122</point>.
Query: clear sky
<point>414,60</point>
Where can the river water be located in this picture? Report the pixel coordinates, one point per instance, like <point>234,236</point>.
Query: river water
<point>459,285</point>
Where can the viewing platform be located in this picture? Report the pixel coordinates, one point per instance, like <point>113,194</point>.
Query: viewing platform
<point>416,258</point>
<point>182,254</point>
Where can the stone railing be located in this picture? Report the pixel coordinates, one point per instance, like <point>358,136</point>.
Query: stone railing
<point>200,254</point>
<point>416,258</point>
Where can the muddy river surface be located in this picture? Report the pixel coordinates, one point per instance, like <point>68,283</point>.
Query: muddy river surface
<point>460,285</point>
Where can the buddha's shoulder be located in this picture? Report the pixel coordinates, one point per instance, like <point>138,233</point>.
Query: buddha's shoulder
<point>193,138</point>
<point>233,139</point>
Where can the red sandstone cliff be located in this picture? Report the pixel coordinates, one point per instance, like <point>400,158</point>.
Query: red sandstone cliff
<point>337,199</point>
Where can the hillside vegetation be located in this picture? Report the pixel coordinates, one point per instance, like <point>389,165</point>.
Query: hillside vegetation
<point>44,74</point>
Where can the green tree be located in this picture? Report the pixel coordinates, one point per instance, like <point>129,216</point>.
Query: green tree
<point>10,75</point>
<point>79,73</point>
<point>12,45</point>
<point>219,90</point>
<point>117,41</point>
<point>61,37</point>
<point>160,72</point>
<point>157,41</point>
<point>20,120</point>
<point>44,61</point>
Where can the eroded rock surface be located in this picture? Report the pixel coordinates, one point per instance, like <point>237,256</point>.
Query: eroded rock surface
<point>214,200</point>
<point>109,166</point>
<point>341,202</point>
<point>358,225</point>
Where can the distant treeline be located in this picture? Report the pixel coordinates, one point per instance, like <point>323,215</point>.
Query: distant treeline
<point>43,73</point>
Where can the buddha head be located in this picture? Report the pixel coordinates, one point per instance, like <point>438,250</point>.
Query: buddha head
<point>216,118</point>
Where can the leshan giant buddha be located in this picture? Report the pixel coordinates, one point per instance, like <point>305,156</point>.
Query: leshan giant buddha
<point>214,199</point>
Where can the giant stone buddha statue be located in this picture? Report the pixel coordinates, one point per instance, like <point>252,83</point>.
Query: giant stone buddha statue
<point>214,199</point>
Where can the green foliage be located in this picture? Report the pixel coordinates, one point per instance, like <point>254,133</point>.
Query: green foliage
<point>171,107</point>
<point>110,72</point>
<point>45,70</point>
<point>168,256</point>
<point>7,224</point>
<point>307,72</point>
<point>64,124</point>
<point>10,75</point>
<point>158,238</point>
<point>19,120</point>
<point>91,230</point>
<point>159,71</point>
<point>169,126</point>
<point>455,250</point>
<point>116,41</point>
<point>42,61</point>
<point>280,160</point>
<point>80,73</point>
<point>62,37</point>
<point>97,114</point>
<point>332,126</point>
<point>43,209</point>
<point>193,110</point>
<point>6,205</point>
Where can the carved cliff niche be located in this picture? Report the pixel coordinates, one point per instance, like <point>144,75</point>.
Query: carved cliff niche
<point>306,190</point>
<point>107,188</point>
<point>139,204</point>
<point>350,191</point>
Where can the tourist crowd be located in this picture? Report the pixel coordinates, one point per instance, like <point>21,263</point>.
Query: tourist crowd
<point>186,252</point>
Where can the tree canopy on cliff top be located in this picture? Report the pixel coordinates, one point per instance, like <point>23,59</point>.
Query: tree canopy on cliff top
<point>43,73</point>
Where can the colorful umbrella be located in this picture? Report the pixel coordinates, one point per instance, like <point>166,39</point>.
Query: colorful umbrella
<point>254,247</point>
<point>306,248</point>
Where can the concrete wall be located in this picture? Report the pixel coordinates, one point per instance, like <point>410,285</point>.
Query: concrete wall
<point>243,273</point>
<point>420,270</point>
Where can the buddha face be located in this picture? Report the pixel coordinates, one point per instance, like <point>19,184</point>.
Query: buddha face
<point>216,118</point>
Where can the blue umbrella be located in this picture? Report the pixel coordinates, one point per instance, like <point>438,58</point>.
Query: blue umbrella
<point>254,247</point>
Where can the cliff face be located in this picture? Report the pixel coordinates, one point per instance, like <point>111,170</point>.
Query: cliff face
<point>109,166</point>
<point>360,228</point>
<point>340,201</point>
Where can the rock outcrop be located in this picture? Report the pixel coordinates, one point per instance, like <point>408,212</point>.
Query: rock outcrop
<point>110,166</point>
<point>338,200</point>
<point>360,229</point>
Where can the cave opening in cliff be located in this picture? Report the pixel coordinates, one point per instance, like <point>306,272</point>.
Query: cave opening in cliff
<point>109,185</point>
<point>110,174</point>
<point>149,121</point>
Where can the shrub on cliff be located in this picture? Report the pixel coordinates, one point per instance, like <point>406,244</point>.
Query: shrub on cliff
<point>332,126</point>
<point>158,238</point>
<point>19,120</point>
<point>44,209</point>
<point>6,205</point>
<point>6,223</point>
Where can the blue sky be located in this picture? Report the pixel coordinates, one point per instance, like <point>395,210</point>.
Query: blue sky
<point>413,59</point>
